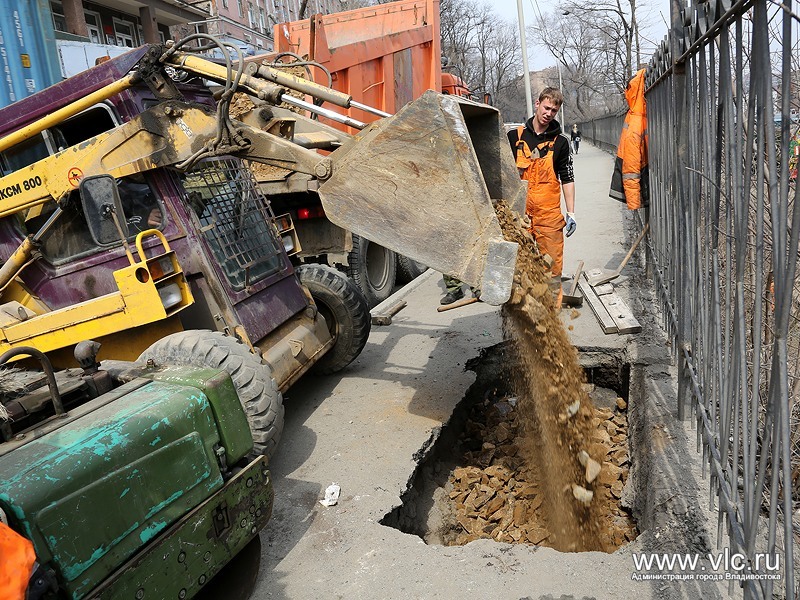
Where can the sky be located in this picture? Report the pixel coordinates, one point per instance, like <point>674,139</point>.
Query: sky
<point>538,59</point>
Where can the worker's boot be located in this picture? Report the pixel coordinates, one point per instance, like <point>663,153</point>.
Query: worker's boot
<point>452,296</point>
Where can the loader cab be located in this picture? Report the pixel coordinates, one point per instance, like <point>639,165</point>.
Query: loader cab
<point>68,240</point>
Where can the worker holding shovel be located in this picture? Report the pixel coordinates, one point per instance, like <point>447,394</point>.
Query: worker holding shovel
<point>544,160</point>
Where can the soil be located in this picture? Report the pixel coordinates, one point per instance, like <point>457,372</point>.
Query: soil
<point>550,467</point>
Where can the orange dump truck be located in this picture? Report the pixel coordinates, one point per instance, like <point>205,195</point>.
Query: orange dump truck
<point>383,56</point>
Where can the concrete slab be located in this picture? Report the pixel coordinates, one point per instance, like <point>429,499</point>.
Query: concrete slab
<point>366,428</point>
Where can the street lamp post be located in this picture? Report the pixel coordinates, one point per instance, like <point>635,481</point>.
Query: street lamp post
<point>561,87</point>
<point>526,71</point>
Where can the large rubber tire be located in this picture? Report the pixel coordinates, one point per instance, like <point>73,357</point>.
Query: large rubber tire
<point>345,310</point>
<point>408,269</point>
<point>373,268</point>
<point>257,389</point>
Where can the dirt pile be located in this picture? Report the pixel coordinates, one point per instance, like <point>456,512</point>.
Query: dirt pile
<point>547,467</point>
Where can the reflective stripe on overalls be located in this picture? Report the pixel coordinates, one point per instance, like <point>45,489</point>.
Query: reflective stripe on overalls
<point>543,201</point>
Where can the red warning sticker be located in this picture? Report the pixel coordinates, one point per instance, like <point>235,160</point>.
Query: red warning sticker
<point>74,176</point>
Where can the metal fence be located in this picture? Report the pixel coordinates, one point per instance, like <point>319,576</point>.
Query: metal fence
<point>725,226</point>
<point>604,131</point>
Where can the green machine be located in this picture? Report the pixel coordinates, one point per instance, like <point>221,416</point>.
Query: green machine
<point>131,481</point>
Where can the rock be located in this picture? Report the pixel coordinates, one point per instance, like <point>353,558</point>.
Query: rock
<point>481,500</point>
<point>592,467</point>
<point>581,494</point>
<point>494,505</point>
<point>520,514</point>
<point>602,437</point>
<point>621,404</point>
<point>603,398</point>
<point>604,413</point>
<point>528,492</point>
<point>616,489</point>
<point>536,535</point>
<point>502,433</point>
<point>573,408</point>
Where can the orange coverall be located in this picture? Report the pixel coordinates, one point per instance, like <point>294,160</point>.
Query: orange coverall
<point>543,202</point>
<point>16,563</point>
<point>630,182</point>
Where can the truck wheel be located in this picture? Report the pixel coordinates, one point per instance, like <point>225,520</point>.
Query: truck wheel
<point>373,268</point>
<point>257,389</point>
<point>408,269</point>
<point>345,310</point>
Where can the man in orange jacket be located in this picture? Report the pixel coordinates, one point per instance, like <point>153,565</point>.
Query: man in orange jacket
<point>544,160</point>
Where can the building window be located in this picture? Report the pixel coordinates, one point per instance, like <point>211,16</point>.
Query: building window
<point>224,3</point>
<point>59,21</point>
<point>94,25</point>
<point>124,33</point>
<point>262,22</point>
<point>241,7</point>
<point>251,20</point>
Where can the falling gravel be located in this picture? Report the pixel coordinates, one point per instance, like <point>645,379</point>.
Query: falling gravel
<point>540,463</point>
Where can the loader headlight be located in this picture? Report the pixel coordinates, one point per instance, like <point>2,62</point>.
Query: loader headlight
<point>288,243</point>
<point>170,295</point>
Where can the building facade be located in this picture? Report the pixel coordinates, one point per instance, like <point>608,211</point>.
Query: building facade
<point>110,27</point>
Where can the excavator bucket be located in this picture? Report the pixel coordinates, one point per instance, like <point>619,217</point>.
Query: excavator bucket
<point>423,182</point>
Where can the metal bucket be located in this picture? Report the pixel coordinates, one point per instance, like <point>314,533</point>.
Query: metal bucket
<point>423,182</point>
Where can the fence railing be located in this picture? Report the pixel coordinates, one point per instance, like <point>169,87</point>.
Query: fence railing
<point>604,131</point>
<point>725,225</point>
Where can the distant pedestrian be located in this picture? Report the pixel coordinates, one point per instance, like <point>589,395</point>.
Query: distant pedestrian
<point>575,136</point>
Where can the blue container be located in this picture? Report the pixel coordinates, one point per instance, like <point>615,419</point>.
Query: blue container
<point>28,54</point>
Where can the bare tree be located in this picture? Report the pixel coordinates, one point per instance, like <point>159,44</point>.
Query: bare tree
<point>481,48</point>
<point>598,45</point>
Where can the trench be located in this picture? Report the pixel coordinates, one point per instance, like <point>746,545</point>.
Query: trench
<point>473,482</point>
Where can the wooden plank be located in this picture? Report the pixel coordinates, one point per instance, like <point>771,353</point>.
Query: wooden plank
<point>620,313</point>
<point>602,290</point>
<point>598,308</point>
<point>592,273</point>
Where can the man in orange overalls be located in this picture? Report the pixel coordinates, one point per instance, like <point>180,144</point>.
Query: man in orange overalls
<point>544,160</point>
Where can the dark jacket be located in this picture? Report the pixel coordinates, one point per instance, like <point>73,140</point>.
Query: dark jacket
<point>562,156</point>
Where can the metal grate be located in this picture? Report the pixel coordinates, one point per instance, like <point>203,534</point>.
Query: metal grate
<point>235,219</point>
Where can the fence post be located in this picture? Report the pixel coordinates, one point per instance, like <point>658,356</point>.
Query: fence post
<point>680,181</point>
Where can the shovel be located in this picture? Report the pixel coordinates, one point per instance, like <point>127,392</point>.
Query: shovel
<point>606,277</point>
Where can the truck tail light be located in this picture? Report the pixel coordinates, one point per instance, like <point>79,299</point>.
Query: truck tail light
<point>314,212</point>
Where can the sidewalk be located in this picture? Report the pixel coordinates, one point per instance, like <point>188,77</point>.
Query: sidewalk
<point>365,428</point>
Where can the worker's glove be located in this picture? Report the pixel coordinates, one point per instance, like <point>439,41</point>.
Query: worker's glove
<point>571,224</point>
